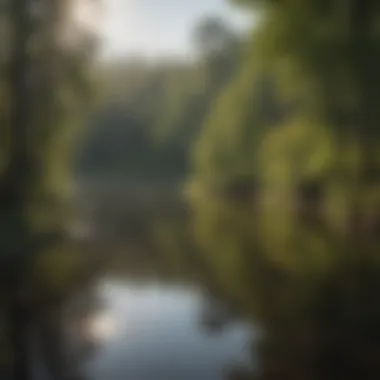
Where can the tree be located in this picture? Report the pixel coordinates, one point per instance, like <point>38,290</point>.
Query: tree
<point>333,50</point>
<point>15,178</point>
<point>39,63</point>
<point>213,36</point>
<point>227,148</point>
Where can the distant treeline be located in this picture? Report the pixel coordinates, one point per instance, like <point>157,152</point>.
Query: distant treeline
<point>291,107</point>
<point>151,114</point>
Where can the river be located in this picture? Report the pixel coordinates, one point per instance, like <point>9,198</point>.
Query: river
<point>210,290</point>
<point>154,331</point>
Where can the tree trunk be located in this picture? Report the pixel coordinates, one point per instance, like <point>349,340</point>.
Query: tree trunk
<point>18,326</point>
<point>14,189</point>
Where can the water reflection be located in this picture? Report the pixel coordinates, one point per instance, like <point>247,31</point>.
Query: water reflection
<point>102,327</point>
<point>159,336</point>
<point>311,292</point>
<point>215,291</point>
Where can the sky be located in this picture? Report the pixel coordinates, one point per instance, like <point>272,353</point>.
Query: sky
<point>157,27</point>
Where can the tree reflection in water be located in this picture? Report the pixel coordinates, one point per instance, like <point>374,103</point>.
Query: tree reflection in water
<point>313,293</point>
<point>59,301</point>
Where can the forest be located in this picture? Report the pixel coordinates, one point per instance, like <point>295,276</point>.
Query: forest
<point>258,131</point>
<point>287,108</point>
<point>151,113</point>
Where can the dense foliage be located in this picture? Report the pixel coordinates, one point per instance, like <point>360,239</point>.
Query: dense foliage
<point>152,113</point>
<point>45,59</point>
<point>289,111</point>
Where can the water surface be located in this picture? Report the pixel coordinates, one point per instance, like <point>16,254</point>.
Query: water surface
<point>158,334</point>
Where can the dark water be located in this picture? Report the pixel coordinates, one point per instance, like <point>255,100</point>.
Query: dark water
<point>210,291</point>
